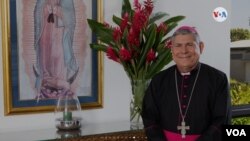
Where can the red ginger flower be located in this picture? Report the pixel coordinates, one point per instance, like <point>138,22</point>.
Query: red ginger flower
<point>124,22</point>
<point>162,28</point>
<point>137,4</point>
<point>151,56</point>
<point>168,44</point>
<point>125,55</point>
<point>106,25</point>
<point>111,54</point>
<point>149,6</point>
<point>117,34</point>
<point>133,38</point>
<point>139,21</point>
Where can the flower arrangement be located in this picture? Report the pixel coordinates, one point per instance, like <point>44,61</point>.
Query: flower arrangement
<point>138,43</point>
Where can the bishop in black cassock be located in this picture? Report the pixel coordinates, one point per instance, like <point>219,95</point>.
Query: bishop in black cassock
<point>206,108</point>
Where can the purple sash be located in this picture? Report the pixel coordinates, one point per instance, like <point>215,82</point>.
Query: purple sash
<point>171,136</point>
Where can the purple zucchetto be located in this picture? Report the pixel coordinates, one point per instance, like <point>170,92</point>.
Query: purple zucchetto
<point>192,29</point>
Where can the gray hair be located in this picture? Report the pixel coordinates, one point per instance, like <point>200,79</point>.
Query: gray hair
<point>184,30</point>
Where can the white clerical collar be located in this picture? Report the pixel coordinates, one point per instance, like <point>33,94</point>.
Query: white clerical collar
<point>185,73</point>
<point>189,73</point>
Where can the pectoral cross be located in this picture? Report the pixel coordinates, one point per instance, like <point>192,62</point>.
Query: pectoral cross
<point>183,129</point>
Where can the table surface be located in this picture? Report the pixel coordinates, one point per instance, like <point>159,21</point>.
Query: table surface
<point>53,133</point>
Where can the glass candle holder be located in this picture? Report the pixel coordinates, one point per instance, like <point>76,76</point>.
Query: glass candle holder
<point>67,113</point>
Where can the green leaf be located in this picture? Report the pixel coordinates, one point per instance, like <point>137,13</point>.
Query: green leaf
<point>170,28</point>
<point>157,16</point>
<point>126,7</point>
<point>149,29</point>
<point>159,37</point>
<point>124,38</point>
<point>95,24</point>
<point>174,19</point>
<point>117,20</point>
<point>105,40</point>
<point>103,33</point>
<point>163,59</point>
<point>172,23</point>
<point>128,69</point>
<point>148,44</point>
<point>98,47</point>
<point>161,47</point>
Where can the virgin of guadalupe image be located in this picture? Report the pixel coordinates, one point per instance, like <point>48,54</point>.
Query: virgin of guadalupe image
<point>55,68</point>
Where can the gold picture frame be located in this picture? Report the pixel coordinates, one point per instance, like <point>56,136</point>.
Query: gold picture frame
<point>13,84</point>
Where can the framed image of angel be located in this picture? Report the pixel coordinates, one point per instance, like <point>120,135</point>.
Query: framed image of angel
<point>46,54</point>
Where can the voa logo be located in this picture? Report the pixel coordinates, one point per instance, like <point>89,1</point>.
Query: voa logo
<point>236,132</point>
<point>220,14</point>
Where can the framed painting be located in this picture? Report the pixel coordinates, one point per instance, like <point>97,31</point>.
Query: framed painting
<point>46,54</point>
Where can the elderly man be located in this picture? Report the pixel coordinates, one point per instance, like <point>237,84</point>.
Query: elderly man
<point>190,100</point>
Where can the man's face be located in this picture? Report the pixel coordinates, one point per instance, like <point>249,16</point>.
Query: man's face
<point>186,51</point>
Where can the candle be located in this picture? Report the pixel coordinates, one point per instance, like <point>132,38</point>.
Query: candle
<point>67,116</point>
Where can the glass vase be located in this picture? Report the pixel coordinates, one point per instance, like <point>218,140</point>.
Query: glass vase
<point>67,113</point>
<point>138,91</point>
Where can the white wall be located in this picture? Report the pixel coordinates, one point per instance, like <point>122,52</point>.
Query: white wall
<point>116,84</point>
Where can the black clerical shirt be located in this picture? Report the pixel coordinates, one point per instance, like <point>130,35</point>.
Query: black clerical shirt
<point>208,109</point>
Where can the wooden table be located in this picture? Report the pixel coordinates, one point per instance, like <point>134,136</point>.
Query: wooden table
<point>115,131</point>
<point>131,135</point>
